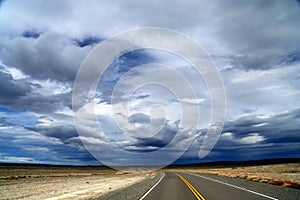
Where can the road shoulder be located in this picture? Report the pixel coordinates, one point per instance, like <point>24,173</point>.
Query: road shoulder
<point>133,192</point>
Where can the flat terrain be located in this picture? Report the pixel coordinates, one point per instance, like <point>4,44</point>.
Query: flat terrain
<point>49,182</point>
<point>269,181</point>
<point>287,175</point>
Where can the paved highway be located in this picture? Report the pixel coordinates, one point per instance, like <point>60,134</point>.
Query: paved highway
<point>194,186</point>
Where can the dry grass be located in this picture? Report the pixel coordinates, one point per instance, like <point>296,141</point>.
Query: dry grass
<point>19,172</point>
<point>287,175</point>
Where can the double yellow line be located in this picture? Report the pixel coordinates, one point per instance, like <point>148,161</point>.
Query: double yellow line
<point>191,187</point>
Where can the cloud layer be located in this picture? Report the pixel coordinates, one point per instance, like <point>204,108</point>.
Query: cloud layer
<point>254,44</point>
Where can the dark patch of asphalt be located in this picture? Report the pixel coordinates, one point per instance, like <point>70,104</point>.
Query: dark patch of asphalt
<point>133,192</point>
<point>278,192</point>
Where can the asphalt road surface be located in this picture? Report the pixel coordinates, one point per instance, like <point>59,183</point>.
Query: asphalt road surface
<point>194,186</point>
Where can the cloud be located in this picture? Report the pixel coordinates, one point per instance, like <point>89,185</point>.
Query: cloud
<point>161,139</point>
<point>248,33</point>
<point>253,43</point>
<point>60,131</point>
<point>12,90</point>
<point>274,129</point>
<point>31,34</point>
<point>87,41</point>
<point>49,56</point>
<point>255,133</point>
<point>13,159</point>
<point>252,137</point>
<point>18,142</point>
<point>265,92</point>
<point>18,92</point>
<point>139,118</point>
<point>21,118</point>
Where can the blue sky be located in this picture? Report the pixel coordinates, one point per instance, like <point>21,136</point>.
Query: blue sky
<point>254,44</point>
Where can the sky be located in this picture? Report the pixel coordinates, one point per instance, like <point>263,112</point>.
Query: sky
<point>254,45</point>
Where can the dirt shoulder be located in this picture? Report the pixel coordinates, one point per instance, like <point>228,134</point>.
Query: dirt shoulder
<point>62,183</point>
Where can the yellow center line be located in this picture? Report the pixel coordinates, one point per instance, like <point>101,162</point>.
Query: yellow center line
<point>191,187</point>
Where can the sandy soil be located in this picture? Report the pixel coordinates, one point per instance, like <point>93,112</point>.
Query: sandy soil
<point>54,184</point>
<point>278,174</point>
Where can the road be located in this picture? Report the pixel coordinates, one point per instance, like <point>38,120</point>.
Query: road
<point>194,186</point>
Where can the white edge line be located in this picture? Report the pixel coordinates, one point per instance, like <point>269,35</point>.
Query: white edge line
<point>232,186</point>
<point>153,186</point>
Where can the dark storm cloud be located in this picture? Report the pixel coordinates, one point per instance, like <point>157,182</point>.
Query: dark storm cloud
<point>17,100</point>
<point>46,144</point>
<point>282,128</point>
<point>87,41</point>
<point>20,94</point>
<point>49,56</point>
<point>253,138</point>
<point>161,139</point>
<point>39,103</point>
<point>61,132</point>
<point>11,91</point>
<point>277,129</point>
<point>41,146</point>
<point>31,34</point>
<point>280,138</point>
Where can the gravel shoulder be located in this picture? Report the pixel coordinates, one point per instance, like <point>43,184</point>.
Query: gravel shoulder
<point>133,192</point>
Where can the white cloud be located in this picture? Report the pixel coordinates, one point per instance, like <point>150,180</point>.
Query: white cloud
<point>249,139</point>
<point>261,92</point>
<point>16,73</point>
<point>14,159</point>
<point>51,88</point>
<point>252,138</point>
<point>227,136</point>
<point>44,149</point>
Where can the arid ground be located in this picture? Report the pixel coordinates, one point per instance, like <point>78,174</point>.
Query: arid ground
<point>61,182</point>
<point>287,175</point>
<point>50,182</point>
